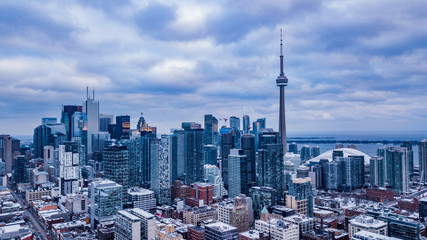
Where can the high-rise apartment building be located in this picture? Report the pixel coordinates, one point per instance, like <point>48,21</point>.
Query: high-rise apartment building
<point>300,196</point>
<point>116,166</point>
<point>227,143</point>
<point>142,198</point>
<point>271,167</point>
<point>193,153</point>
<point>397,166</point>
<point>210,134</point>
<point>315,151</point>
<point>6,152</point>
<point>106,198</point>
<point>69,168</point>
<point>262,197</point>
<point>293,147</point>
<point>422,155</point>
<point>408,146</point>
<point>376,171</point>
<point>134,224</point>
<point>237,177</point>
<point>20,169</point>
<point>248,147</point>
<point>305,153</point>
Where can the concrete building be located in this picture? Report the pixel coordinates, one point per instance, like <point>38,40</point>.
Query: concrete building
<point>365,235</point>
<point>76,203</point>
<point>167,232</point>
<point>199,214</point>
<point>221,231</point>
<point>236,214</point>
<point>304,223</point>
<point>278,229</point>
<point>134,224</point>
<point>142,198</point>
<point>253,235</point>
<point>366,223</point>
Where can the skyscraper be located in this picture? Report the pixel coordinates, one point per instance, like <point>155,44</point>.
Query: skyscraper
<point>123,126</point>
<point>49,133</point>
<point>246,124</point>
<point>248,147</point>
<point>271,169</point>
<point>408,146</point>
<point>104,121</point>
<point>376,170</point>
<point>300,196</point>
<point>69,168</point>
<point>210,134</point>
<point>281,82</point>
<point>91,108</point>
<point>422,155</point>
<point>106,199</point>
<point>227,143</point>
<point>193,151</point>
<point>116,166</point>
<point>237,177</point>
<point>397,166</point>
<point>6,151</point>
<point>210,154</point>
<point>67,113</point>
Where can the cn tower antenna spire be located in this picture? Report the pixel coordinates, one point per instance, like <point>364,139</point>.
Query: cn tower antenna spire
<point>281,55</point>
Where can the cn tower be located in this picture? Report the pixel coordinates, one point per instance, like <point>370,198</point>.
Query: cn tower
<point>281,82</point>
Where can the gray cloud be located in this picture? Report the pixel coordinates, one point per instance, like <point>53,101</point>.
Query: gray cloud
<point>352,63</point>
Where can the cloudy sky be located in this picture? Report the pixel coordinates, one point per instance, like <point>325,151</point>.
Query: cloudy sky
<point>352,65</point>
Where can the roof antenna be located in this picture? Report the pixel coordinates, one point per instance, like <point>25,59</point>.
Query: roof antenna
<point>93,96</point>
<point>87,92</point>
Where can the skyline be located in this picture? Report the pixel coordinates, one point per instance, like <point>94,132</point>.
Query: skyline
<point>225,58</point>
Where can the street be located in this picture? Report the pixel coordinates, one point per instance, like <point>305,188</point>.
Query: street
<point>40,231</point>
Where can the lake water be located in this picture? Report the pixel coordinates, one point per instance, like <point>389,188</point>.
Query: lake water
<point>370,148</point>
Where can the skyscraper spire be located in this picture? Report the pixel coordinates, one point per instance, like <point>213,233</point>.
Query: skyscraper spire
<point>281,82</point>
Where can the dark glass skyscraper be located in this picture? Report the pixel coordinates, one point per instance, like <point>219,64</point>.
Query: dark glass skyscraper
<point>246,124</point>
<point>123,126</point>
<point>67,113</point>
<point>271,169</point>
<point>248,147</point>
<point>227,143</point>
<point>116,165</point>
<point>193,153</point>
<point>210,134</point>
